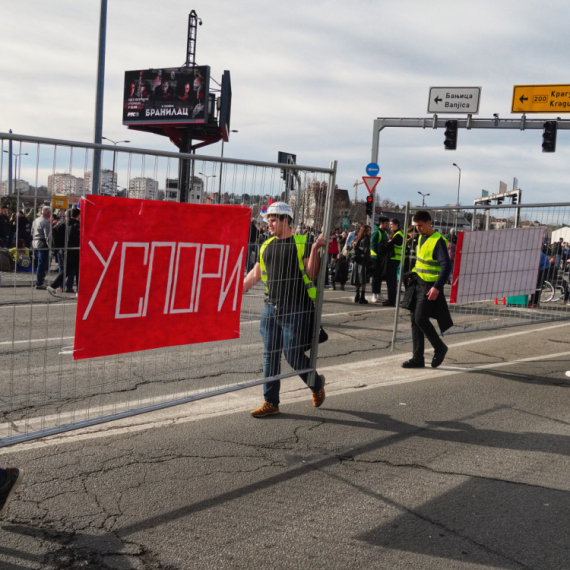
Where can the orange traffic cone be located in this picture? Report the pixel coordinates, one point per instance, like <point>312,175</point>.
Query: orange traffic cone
<point>496,301</point>
<point>504,300</point>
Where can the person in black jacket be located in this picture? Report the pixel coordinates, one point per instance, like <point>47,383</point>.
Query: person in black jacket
<point>70,252</point>
<point>340,271</point>
<point>427,281</point>
<point>359,277</point>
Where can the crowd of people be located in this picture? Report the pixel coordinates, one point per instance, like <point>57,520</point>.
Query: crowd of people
<point>31,246</point>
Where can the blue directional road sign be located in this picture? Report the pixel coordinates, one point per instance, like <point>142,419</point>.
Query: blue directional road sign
<point>372,169</point>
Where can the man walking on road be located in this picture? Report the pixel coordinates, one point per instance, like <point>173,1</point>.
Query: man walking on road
<point>41,229</point>
<point>427,279</point>
<point>287,273</point>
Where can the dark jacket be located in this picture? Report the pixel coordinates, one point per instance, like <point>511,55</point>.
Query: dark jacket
<point>341,270</point>
<point>71,240</point>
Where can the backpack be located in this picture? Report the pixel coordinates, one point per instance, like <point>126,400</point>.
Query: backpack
<point>24,260</point>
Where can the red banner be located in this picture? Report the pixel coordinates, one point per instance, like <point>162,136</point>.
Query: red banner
<point>156,274</point>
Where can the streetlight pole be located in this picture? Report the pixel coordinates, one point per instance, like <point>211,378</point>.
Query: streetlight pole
<point>206,176</point>
<point>96,171</point>
<point>114,161</point>
<point>13,175</point>
<point>221,166</point>
<point>458,188</point>
<point>459,183</point>
<point>423,198</point>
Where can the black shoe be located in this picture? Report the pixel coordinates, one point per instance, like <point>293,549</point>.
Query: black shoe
<point>388,304</point>
<point>41,287</point>
<point>363,300</point>
<point>342,287</point>
<point>413,364</point>
<point>357,297</point>
<point>13,479</point>
<point>438,358</point>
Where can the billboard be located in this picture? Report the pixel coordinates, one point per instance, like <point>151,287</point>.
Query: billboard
<point>169,96</point>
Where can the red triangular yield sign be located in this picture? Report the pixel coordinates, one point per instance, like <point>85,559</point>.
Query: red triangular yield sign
<point>371,182</point>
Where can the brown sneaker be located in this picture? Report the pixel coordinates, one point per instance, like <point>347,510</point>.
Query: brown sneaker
<point>266,409</point>
<point>319,397</point>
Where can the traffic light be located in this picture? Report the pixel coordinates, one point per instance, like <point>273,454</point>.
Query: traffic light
<point>549,136</point>
<point>369,205</point>
<point>450,142</point>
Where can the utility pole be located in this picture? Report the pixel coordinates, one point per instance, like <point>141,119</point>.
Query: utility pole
<point>96,171</point>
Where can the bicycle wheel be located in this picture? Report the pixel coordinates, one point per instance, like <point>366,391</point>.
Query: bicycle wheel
<point>547,292</point>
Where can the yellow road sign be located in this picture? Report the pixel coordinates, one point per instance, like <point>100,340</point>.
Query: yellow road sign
<point>59,201</point>
<point>541,99</point>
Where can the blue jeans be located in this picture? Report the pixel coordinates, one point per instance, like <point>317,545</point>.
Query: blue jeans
<point>43,265</point>
<point>287,333</point>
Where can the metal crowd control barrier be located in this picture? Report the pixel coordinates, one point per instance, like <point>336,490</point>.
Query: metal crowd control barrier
<point>42,390</point>
<point>549,302</point>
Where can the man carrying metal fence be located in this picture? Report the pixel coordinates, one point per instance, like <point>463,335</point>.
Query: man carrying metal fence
<point>425,293</point>
<point>286,321</point>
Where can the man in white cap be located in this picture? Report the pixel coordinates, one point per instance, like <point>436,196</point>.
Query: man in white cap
<point>287,266</point>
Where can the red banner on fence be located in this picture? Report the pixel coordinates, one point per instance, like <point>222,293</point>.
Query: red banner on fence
<point>156,274</point>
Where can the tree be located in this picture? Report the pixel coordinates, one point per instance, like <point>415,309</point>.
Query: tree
<point>10,202</point>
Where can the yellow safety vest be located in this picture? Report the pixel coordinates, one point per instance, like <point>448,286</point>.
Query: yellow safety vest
<point>382,235</point>
<point>398,248</point>
<point>426,266</point>
<point>300,241</point>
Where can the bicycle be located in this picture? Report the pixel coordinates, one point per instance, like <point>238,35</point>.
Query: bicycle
<point>551,292</point>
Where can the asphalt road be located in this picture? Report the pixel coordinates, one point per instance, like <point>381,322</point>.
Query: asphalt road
<point>462,467</point>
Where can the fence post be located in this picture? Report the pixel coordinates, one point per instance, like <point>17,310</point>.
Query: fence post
<point>402,261</point>
<point>321,279</point>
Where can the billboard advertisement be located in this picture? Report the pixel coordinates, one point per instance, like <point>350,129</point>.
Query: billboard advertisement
<point>168,96</point>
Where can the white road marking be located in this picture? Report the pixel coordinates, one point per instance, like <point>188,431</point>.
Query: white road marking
<point>36,340</point>
<point>341,379</point>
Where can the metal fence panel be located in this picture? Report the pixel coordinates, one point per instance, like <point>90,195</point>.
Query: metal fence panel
<point>42,390</point>
<point>549,302</point>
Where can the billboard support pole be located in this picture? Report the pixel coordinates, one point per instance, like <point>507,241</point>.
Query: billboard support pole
<point>96,171</point>
<point>186,174</point>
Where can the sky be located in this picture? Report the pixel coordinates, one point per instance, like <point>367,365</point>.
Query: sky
<point>309,78</point>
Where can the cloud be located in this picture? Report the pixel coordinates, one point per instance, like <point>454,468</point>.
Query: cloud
<point>307,78</point>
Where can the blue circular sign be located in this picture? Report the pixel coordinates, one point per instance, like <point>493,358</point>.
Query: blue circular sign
<point>372,169</point>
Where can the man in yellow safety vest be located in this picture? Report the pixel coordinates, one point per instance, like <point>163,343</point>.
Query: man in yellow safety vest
<point>429,277</point>
<point>287,266</point>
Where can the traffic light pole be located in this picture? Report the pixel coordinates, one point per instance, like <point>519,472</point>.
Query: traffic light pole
<point>434,122</point>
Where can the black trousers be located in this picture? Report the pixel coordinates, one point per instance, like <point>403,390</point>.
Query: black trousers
<point>71,271</point>
<point>392,280</point>
<point>378,269</point>
<point>422,327</point>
